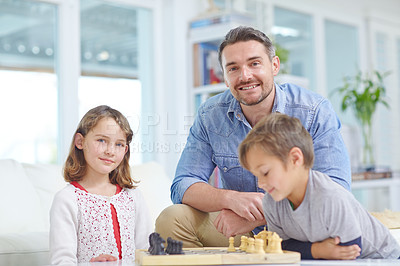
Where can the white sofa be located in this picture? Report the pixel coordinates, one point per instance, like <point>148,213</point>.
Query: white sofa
<point>26,194</point>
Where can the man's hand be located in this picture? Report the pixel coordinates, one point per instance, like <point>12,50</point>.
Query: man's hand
<point>242,214</point>
<point>230,224</point>
<point>247,205</point>
<point>331,250</point>
<point>103,258</point>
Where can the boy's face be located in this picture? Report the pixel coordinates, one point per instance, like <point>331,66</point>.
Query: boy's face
<point>272,175</point>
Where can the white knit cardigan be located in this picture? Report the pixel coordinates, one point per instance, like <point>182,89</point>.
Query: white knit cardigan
<point>81,225</point>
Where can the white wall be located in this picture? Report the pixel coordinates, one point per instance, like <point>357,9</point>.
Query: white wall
<point>175,116</point>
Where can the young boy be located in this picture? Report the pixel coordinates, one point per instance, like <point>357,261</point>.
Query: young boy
<point>312,214</point>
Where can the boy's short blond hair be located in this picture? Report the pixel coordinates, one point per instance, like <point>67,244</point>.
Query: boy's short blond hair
<point>277,134</point>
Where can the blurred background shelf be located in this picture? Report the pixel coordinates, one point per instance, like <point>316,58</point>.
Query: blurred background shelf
<point>378,194</point>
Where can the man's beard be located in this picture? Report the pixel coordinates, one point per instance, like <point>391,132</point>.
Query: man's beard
<point>263,96</point>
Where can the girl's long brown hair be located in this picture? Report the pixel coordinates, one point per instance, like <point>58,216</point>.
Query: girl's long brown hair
<point>75,166</point>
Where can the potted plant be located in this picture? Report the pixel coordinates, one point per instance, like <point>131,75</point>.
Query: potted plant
<point>363,93</point>
<point>283,55</point>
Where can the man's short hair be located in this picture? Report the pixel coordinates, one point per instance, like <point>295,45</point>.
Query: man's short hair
<point>243,34</point>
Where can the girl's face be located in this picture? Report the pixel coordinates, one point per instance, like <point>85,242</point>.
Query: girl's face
<point>104,147</point>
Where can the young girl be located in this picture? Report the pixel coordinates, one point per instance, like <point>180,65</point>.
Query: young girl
<point>100,215</point>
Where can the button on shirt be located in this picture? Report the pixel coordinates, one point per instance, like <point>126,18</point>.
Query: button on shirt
<point>220,126</point>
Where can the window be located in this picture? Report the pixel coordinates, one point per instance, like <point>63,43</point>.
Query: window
<point>294,31</point>
<point>342,59</point>
<point>28,82</point>
<point>41,107</point>
<point>398,62</point>
<point>112,42</point>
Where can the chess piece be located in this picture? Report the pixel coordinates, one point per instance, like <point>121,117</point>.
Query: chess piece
<point>263,235</point>
<point>174,246</point>
<point>269,242</point>
<point>231,247</point>
<point>259,246</point>
<point>170,248</point>
<point>152,241</point>
<point>180,245</point>
<point>276,244</point>
<point>243,243</point>
<point>156,244</point>
<point>250,247</point>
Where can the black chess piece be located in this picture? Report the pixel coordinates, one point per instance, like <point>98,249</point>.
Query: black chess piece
<point>170,247</point>
<point>152,241</point>
<point>156,244</point>
<point>174,246</point>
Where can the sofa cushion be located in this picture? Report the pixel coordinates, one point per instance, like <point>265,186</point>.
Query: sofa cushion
<point>47,180</point>
<point>20,202</point>
<point>24,248</point>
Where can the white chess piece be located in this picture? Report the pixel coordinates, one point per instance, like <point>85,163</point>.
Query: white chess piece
<point>250,247</point>
<point>243,243</point>
<point>231,247</point>
<point>259,246</point>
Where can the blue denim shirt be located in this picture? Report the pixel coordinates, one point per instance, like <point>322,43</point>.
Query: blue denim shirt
<point>220,127</point>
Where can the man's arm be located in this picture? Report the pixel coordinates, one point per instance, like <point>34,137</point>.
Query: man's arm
<point>331,156</point>
<point>240,212</point>
<point>190,185</point>
<point>195,165</point>
<point>209,199</point>
<point>230,224</point>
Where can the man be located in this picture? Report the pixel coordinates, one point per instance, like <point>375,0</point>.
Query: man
<point>206,216</point>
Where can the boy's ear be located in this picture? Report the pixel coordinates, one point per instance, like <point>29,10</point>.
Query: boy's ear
<point>78,141</point>
<point>296,156</point>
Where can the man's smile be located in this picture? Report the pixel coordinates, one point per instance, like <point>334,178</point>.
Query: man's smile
<point>248,87</point>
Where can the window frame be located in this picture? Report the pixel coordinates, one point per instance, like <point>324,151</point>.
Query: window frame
<point>68,66</point>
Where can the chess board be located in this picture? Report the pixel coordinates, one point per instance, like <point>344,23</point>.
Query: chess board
<point>215,256</point>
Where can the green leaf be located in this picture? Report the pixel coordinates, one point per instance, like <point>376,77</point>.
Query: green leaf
<point>363,94</point>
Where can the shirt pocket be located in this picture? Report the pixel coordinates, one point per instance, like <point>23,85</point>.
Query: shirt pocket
<point>231,172</point>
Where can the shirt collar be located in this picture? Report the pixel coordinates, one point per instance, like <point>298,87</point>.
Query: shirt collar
<point>280,100</point>
<point>235,110</point>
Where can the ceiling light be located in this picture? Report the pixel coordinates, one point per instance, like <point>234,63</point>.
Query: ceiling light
<point>21,48</point>
<point>35,50</point>
<point>103,56</point>
<point>49,51</point>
